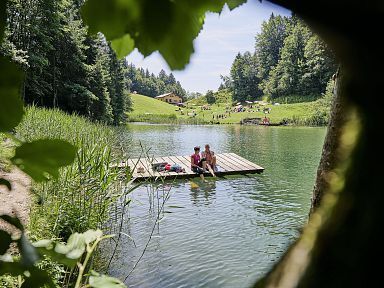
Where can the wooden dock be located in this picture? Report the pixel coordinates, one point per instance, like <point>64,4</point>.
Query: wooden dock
<point>228,164</point>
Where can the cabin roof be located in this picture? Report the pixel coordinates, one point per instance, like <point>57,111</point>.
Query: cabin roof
<point>166,94</point>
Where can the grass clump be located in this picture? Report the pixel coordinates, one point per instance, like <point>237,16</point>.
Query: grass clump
<point>79,199</point>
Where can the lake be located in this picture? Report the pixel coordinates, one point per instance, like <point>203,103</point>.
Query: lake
<point>229,231</point>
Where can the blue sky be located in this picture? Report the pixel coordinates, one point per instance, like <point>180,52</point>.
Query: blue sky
<point>222,37</point>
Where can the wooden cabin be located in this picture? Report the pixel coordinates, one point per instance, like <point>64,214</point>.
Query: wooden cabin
<point>170,98</point>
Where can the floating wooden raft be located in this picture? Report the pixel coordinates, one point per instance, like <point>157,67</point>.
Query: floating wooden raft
<point>228,163</point>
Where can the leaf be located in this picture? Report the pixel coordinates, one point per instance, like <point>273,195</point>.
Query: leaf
<point>37,278</point>
<point>164,25</point>
<point>232,4</point>
<point>102,281</point>
<point>6,258</point>
<point>5,241</point>
<point>11,268</point>
<point>43,157</point>
<point>6,183</point>
<point>13,221</point>
<point>29,255</point>
<point>45,243</point>
<point>55,256</point>
<point>11,108</point>
<point>109,16</point>
<point>92,235</point>
<point>123,46</point>
<point>69,253</point>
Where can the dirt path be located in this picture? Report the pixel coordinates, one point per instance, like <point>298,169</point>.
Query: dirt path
<point>17,201</point>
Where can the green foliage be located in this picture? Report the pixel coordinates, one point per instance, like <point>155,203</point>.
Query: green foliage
<point>49,41</point>
<point>101,281</point>
<point>123,46</point>
<point>304,65</point>
<point>41,158</point>
<point>151,85</point>
<point>290,64</point>
<point>75,253</point>
<point>166,26</point>
<point>245,81</point>
<point>269,43</point>
<point>11,108</point>
<point>6,240</point>
<point>86,184</point>
<point>33,276</point>
<point>210,97</point>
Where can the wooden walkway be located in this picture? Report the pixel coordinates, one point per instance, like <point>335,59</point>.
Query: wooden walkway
<point>228,163</point>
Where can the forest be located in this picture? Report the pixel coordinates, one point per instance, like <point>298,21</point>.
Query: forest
<point>290,63</point>
<point>68,69</point>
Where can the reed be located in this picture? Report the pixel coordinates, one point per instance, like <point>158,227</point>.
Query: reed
<point>165,119</point>
<point>80,198</point>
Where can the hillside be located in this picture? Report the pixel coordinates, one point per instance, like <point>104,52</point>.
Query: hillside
<point>148,105</point>
<point>147,109</point>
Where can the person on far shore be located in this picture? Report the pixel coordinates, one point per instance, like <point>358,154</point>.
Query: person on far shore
<point>210,159</point>
<point>198,165</point>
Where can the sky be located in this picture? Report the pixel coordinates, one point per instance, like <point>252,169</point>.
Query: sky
<point>223,36</point>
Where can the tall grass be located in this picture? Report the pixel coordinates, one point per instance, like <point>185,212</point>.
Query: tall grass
<point>80,198</point>
<point>164,119</point>
<point>289,99</point>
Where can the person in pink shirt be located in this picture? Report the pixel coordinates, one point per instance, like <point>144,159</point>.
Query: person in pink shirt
<point>198,165</point>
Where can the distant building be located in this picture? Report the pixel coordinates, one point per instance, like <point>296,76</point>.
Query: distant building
<point>170,98</point>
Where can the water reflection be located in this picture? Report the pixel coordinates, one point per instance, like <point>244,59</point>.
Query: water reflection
<point>226,232</point>
<point>203,193</point>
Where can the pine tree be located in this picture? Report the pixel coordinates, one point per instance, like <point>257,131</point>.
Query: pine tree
<point>269,43</point>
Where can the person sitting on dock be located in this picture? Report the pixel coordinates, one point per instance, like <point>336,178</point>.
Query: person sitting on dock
<point>210,158</point>
<point>198,165</point>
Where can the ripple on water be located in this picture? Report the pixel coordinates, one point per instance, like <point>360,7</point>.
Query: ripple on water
<point>229,231</point>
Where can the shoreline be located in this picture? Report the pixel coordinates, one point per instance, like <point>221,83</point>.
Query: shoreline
<point>272,124</point>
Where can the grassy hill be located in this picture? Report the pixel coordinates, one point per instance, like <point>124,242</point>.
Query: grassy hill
<point>148,105</point>
<point>147,109</point>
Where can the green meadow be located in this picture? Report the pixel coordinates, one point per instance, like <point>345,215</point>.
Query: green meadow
<point>197,111</point>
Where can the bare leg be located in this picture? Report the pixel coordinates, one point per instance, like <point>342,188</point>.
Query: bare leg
<point>210,170</point>
<point>214,163</point>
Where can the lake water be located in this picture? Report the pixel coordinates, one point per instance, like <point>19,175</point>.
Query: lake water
<point>229,231</point>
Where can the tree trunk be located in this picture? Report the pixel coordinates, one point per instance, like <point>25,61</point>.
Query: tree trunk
<point>329,159</point>
<point>340,246</point>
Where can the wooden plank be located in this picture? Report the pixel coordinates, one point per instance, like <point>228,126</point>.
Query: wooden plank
<point>175,160</point>
<point>144,164</point>
<point>235,165</point>
<point>245,160</point>
<point>238,163</point>
<point>220,160</point>
<point>186,160</point>
<point>183,163</point>
<point>230,163</point>
<point>133,163</point>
